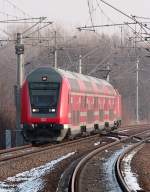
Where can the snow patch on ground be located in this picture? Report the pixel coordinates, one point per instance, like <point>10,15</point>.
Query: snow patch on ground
<point>130,177</point>
<point>108,177</point>
<point>114,138</point>
<point>100,142</point>
<point>125,130</point>
<point>97,143</point>
<point>123,136</point>
<point>30,181</point>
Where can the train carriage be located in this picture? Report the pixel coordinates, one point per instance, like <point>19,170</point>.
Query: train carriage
<point>57,103</point>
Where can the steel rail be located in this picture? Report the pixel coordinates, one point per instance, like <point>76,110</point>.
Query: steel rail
<point>3,151</point>
<point>80,165</point>
<point>74,180</point>
<point>45,148</point>
<point>119,175</point>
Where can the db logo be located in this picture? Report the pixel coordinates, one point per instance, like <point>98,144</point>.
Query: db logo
<point>43,119</point>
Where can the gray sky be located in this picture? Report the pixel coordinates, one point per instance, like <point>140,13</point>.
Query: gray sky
<point>75,12</point>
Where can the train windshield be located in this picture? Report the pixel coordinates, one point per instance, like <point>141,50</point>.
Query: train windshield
<point>44,97</point>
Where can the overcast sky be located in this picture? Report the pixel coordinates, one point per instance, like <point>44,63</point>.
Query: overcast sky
<point>75,12</point>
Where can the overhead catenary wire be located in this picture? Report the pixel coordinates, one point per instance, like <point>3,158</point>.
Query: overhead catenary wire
<point>139,17</point>
<point>40,20</point>
<point>118,10</point>
<point>140,24</point>
<point>98,65</point>
<point>36,30</point>
<point>143,26</point>
<point>103,64</point>
<point>140,36</point>
<point>109,25</point>
<point>84,56</point>
<point>22,19</point>
<point>69,58</point>
<point>104,12</point>
<point>123,13</point>
<point>17,8</point>
<point>90,13</point>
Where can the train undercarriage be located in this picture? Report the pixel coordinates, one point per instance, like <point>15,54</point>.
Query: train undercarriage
<point>41,133</point>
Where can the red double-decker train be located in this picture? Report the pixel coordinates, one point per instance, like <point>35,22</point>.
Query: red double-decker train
<point>56,104</point>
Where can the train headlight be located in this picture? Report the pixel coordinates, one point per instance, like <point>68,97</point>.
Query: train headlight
<point>35,110</point>
<point>52,110</point>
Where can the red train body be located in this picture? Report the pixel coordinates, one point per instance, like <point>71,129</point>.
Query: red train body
<point>57,103</point>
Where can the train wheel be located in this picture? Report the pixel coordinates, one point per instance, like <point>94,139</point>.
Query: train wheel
<point>96,128</point>
<point>83,130</point>
<point>69,135</point>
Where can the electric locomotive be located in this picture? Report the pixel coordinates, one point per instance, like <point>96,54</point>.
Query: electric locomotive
<point>56,104</point>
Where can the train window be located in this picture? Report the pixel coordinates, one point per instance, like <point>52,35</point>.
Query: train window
<point>78,117</point>
<point>82,101</point>
<point>43,85</point>
<point>75,117</point>
<point>95,102</point>
<point>85,101</point>
<point>90,116</point>
<point>111,114</point>
<point>44,97</point>
<point>101,114</point>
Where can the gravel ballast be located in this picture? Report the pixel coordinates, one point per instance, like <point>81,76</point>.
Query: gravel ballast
<point>141,166</point>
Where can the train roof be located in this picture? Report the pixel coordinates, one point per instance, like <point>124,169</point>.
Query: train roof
<point>78,82</point>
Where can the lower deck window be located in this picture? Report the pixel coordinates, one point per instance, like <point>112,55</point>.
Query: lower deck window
<point>101,114</point>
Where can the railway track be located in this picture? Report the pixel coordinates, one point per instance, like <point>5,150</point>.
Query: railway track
<point>19,160</point>
<point>14,149</point>
<point>28,149</point>
<point>81,181</point>
<point>17,152</point>
<point>121,167</point>
<point>35,156</point>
